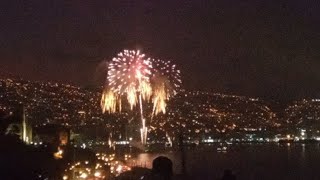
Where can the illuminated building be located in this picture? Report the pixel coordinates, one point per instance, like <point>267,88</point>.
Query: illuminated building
<point>20,125</point>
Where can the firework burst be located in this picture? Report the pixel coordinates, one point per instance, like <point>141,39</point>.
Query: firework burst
<point>166,82</point>
<point>139,79</point>
<point>128,74</point>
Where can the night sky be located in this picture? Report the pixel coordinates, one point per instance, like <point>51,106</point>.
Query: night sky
<point>267,48</point>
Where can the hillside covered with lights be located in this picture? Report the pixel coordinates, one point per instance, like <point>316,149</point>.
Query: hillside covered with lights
<point>197,112</point>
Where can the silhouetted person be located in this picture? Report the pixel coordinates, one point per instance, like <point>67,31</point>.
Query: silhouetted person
<point>228,175</point>
<point>161,169</point>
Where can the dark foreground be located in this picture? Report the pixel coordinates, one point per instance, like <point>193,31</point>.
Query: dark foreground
<point>248,162</point>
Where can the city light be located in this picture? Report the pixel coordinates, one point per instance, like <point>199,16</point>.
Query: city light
<point>97,174</point>
<point>58,154</point>
<point>84,175</point>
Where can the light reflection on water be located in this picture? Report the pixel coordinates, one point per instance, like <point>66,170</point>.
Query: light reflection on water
<point>273,161</point>
<point>145,159</point>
